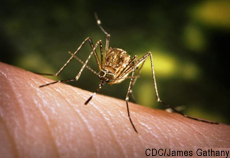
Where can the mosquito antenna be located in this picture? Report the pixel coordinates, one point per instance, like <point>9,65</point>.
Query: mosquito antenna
<point>98,89</point>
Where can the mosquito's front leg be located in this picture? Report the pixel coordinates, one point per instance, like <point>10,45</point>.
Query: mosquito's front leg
<point>67,62</point>
<point>84,65</point>
<point>82,62</point>
<point>103,30</point>
<point>68,80</point>
<point>82,68</point>
<point>91,44</point>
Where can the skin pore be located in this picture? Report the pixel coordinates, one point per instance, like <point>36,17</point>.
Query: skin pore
<point>54,122</point>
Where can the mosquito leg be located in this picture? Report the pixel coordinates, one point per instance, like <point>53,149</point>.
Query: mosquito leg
<point>127,102</point>
<point>82,68</point>
<point>67,62</point>
<point>103,30</point>
<point>131,91</point>
<point>91,44</point>
<point>143,59</point>
<point>193,118</point>
<point>100,64</point>
<point>135,79</point>
<point>160,101</point>
<point>68,80</point>
<point>102,57</point>
<point>73,55</point>
<point>135,66</point>
<point>44,74</point>
<point>83,63</point>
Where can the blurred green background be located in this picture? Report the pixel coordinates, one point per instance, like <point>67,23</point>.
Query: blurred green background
<point>189,41</point>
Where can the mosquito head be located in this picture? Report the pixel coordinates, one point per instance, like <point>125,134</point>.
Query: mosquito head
<point>106,75</point>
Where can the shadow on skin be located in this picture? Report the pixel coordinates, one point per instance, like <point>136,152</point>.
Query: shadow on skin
<point>54,122</point>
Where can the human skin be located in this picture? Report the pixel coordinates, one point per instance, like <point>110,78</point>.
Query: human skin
<point>54,122</point>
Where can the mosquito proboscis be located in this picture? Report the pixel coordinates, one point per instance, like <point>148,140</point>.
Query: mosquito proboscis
<point>115,65</point>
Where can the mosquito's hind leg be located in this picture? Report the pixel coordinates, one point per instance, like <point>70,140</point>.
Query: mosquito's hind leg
<point>94,51</point>
<point>167,105</point>
<point>179,112</point>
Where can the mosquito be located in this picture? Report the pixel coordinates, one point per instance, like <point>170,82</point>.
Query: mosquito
<point>115,66</point>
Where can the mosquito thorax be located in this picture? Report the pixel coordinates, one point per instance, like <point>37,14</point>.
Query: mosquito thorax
<point>116,59</point>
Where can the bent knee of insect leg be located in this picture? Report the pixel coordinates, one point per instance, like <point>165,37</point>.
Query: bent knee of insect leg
<point>77,77</point>
<point>159,100</point>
